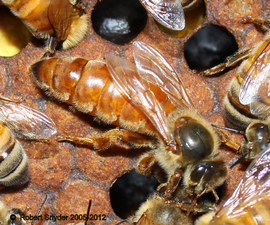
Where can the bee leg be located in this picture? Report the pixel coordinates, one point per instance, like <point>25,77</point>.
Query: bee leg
<point>3,98</point>
<point>146,163</point>
<point>229,62</point>
<point>207,187</point>
<point>215,195</point>
<point>184,207</point>
<point>115,137</point>
<point>166,190</point>
<point>50,47</point>
<point>262,23</point>
<point>227,141</point>
<point>180,205</point>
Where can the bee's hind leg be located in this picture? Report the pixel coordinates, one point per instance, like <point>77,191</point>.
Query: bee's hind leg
<point>264,24</point>
<point>115,137</point>
<point>226,140</point>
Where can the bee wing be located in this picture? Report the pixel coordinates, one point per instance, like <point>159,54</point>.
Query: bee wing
<point>169,13</point>
<point>137,90</point>
<point>60,9</point>
<point>145,219</point>
<point>152,67</point>
<point>255,183</point>
<point>136,86</point>
<point>255,87</point>
<point>26,121</point>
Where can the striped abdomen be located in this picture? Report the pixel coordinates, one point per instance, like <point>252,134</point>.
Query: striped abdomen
<point>13,160</point>
<point>88,86</point>
<point>252,77</point>
<point>237,115</point>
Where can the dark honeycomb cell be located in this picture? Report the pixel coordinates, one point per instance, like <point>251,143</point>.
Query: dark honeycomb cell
<point>209,47</point>
<point>130,191</point>
<point>119,21</point>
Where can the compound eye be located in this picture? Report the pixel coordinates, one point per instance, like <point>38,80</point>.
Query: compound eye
<point>203,170</point>
<point>258,132</point>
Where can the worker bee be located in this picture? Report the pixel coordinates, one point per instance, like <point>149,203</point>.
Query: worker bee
<point>170,14</point>
<point>179,210</point>
<point>15,216</point>
<point>25,122</point>
<point>10,217</point>
<point>148,101</point>
<point>246,105</point>
<point>156,211</point>
<point>248,98</point>
<point>249,204</point>
<point>57,21</point>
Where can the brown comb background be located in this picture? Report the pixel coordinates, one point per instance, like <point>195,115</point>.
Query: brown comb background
<point>71,175</point>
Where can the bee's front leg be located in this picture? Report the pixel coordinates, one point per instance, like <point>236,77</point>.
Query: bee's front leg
<point>167,189</point>
<point>229,62</point>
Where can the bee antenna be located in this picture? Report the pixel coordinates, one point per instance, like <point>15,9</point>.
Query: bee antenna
<point>229,129</point>
<point>121,222</point>
<point>238,160</point>
<point>88,211</point>
<point>42,204</point>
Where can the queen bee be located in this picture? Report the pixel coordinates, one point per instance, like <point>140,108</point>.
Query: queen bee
<point>150,107</point>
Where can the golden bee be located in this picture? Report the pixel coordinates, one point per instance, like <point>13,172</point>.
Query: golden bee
<point>25,122</point>
<point>57,21</point>
<point>150,107</point>
<point>250,202</point>
<point>5,215</point>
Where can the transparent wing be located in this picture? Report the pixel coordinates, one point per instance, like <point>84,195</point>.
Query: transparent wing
<point>255,88</point>
<point>169,13</point>
<point>140,93</point>
<point>26,121</point>
<point>152,67</point>
<point>255,183</point>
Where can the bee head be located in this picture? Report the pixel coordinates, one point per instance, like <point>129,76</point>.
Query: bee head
<point>205,176</point>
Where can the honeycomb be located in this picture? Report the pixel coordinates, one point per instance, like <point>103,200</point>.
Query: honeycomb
<point>71,175</point>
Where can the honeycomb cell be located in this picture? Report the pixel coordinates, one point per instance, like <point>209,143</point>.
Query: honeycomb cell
<point>130,191</point>
<point>14,36</point>
<point>119,21</point>
<point>209,47</point>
